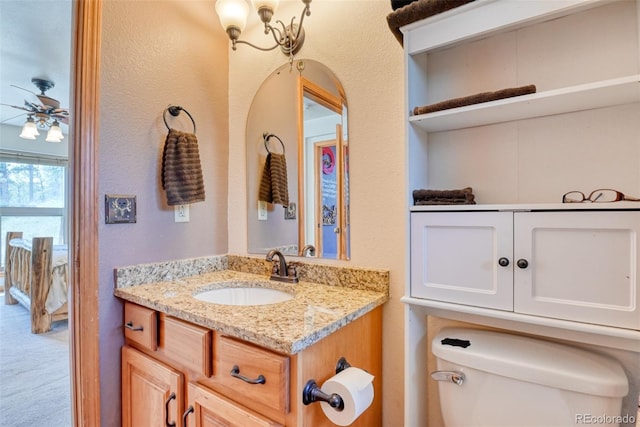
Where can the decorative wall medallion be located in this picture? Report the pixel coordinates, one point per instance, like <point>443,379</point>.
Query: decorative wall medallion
<point>119,209</point>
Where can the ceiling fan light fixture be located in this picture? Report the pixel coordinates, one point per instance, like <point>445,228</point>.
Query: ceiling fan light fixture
<point>29,130</point>
<point>55,133</point>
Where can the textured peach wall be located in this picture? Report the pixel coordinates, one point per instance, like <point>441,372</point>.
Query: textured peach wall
<point>156,53</point>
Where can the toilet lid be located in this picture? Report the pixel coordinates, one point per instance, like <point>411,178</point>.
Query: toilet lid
<point>532,360</point>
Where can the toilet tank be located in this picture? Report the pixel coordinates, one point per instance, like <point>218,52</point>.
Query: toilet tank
<point>511,380</point>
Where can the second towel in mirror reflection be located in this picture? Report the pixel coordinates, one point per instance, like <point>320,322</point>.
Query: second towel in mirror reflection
<point>273,185</point>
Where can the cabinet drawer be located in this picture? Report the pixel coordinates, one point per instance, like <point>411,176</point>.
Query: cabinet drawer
<point>140,325</point>
<point>187,344</point>
<point>252,363</point>
<point>212,409</point>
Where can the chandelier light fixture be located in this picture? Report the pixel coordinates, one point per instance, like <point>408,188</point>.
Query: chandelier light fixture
<point>42,121</point>
<point>233,17</point>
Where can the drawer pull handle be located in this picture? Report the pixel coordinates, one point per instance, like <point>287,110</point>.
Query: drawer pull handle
<point>235,372</point>
<point>129,325</point>
<point>186,414</point>
<point>166,413</point>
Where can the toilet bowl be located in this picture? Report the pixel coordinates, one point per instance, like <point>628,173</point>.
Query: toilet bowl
<point>494,379</point>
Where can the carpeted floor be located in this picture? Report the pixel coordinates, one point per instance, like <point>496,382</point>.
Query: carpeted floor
<point>34,372</point>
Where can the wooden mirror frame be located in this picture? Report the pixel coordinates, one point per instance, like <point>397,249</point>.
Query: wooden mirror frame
<point>84,341</point>
<point>307,88</point>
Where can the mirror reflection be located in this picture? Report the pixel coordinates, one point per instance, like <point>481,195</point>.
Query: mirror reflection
<point>298,118</point>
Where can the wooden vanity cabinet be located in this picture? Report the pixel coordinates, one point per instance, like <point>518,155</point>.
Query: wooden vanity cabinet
<point>196,365</point>
<point>150,389</point>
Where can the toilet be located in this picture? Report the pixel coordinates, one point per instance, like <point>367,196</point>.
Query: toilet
<point>495,379</point>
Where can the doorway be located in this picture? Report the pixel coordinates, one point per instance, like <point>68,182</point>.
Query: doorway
<point>330,215</point>
<point>323,160</point>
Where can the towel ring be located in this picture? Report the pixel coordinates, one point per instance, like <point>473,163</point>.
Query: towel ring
<point>266,137</point>
<point>174,110</point>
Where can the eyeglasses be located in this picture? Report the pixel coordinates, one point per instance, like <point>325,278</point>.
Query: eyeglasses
<point>603,195</point>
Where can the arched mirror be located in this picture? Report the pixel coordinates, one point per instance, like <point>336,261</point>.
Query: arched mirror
<point>298,118</point>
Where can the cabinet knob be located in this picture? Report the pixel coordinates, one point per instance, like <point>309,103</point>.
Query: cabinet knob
<point>522,263</point>
<point>503,261</point>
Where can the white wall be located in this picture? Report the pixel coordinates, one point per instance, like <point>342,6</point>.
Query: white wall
<point>156,53</point>
<point>351,37</point>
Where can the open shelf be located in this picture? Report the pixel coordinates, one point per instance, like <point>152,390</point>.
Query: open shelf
<point>481,17</point>
<point>606,93</point>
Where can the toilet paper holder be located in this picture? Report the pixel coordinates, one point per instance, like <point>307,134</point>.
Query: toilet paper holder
<point>312,393</point>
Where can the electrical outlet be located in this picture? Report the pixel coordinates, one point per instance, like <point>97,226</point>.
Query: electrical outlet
<point>181,213</point>
<point>262,210</point>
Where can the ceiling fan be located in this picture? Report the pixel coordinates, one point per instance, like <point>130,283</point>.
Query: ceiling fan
<point>42,111</point>
<point>42,105</point>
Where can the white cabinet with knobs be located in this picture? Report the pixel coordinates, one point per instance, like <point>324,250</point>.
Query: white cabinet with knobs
<point>571,265</point>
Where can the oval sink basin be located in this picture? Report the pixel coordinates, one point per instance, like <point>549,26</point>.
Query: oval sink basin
<point>243,296</point>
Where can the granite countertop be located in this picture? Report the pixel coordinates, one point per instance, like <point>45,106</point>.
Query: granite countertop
<point>315,311</point>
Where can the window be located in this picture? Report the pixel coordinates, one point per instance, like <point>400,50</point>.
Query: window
<point>33,197</point>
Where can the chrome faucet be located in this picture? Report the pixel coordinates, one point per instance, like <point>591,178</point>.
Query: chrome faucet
<point>308,250</point>
<point>283,274</point>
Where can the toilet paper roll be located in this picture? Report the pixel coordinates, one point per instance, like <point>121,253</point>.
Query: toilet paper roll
<point>355,386</point>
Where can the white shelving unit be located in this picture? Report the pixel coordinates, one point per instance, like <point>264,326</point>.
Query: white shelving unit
<point>572,93</point>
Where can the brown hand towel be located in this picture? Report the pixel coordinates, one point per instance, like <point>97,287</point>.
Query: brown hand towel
<point>418,10</point>
<point>475,99</point>
<point>273,185</point>
<point>444,197</point>
<point>181,171</point>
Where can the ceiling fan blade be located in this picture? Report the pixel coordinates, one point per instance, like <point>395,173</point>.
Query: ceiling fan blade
<point>14,117</point>
<point>61,117</point>
<point>26,90</point>
<point>33,107</point>
<point>35,98</point>
<point>48,102</point>
<point>19,108</point>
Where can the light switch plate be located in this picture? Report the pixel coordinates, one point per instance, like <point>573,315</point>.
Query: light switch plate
<point>119,209</point>
<point>290,211</point>
<point>262,210</point>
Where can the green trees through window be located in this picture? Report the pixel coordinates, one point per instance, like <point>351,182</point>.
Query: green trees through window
<point>32,185</point>
<point>33,198</point>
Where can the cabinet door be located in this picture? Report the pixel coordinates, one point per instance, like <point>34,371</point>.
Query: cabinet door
<point>147,387</point>
<point>582,266</point>
<point>455,257</point>
<point>210,409</point>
